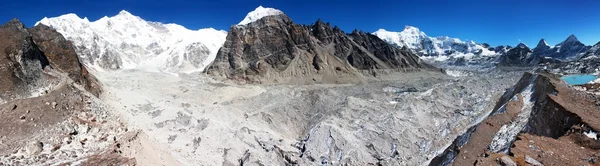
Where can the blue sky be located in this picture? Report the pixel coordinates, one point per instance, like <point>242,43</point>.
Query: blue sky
<point>494,22</point>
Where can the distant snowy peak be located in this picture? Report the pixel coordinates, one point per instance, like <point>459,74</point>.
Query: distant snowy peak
<point>542,43</point>
<point>126,41</point>
<point>259,13</point>
<point>570,39</point>
<point>569,49</point>
<point>412,31</point>
<point>442,47</point>
<point>522,45</point>
<point>410,37</point>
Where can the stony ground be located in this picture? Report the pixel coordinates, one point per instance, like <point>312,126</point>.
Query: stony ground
<point>401,119</point>
<point>62,124</point>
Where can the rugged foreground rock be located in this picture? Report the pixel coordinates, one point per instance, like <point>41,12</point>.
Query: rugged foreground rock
<point>541,120</point>
<point>62,56</point>
<point>27,52</point>
<point>49,112</point>
<point>275,49</point>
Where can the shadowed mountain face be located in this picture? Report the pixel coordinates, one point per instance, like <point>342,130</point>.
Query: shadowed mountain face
<point>274,49</point>
<point>62,56</point>
<point>518,56</point>
<point>570,49</point>
<point>26,52</point>
<point>21,61</point>
<point>593,51</point>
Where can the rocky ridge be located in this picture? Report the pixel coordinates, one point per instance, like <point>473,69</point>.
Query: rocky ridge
<point>275,49</point>
<point>536,118</point>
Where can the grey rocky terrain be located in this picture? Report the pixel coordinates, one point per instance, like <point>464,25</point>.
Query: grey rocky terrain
<point>396,119</point>
<point>49,110</point>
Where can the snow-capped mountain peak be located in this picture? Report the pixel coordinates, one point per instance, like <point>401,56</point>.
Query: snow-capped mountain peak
<point>570,39</point>
<point>259,13</point>
<point>543,43</point>
<point>412,30</point>
<point>126,41</point>
<point>71,17</point>
<point>439,48</point>
<point>125,13</point>
<point>522,45</point>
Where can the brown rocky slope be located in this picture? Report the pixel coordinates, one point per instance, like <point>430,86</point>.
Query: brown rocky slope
<point>275,49</point>
<point>25,53</point>
<point>541,120</point>
<point>48,110</point>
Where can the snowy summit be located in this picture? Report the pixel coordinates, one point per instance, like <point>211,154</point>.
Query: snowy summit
<point>259,13</point>
<point>441,48</point>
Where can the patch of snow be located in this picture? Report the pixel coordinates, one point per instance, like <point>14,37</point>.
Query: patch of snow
<point>507,133</point>
<point>591,134</point>
<point>457,73</point>
<point>259,13</point>
<point>596,81</point>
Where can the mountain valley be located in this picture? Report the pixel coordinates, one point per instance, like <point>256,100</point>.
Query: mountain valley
<point>125,91</point>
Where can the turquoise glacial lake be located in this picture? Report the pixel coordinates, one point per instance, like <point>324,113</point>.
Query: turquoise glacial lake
<point>579,79</point>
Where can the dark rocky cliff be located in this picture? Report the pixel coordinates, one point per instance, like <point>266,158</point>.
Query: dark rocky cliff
<point>275,49</point>
<point>62,56</point>
<point>25,53</point>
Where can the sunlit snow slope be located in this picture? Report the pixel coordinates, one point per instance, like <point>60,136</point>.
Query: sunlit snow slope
<point>259,13</point>
<point>126,41</point>
<point>439,48</point>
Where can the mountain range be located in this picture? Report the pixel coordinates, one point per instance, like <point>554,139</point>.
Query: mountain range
<point>453,50</point>
<point>378,98</point>
<point>126,41</point>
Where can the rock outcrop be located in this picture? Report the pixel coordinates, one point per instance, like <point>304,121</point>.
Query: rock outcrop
<point>275,49</point>
<point>538,117</point>
<point>21,62</point>
<point>27,52</point>
<point>62,56</point>
<point>46,115</point>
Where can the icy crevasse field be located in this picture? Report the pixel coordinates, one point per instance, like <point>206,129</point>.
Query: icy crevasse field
<point>406,119</point>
